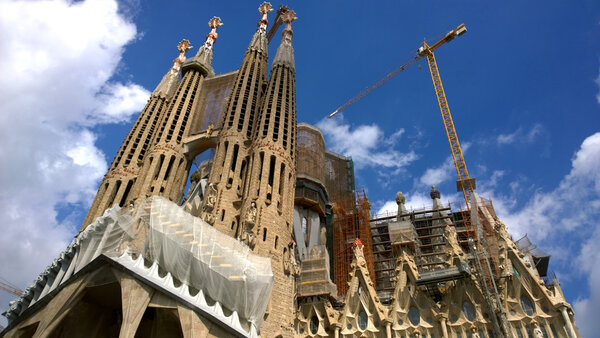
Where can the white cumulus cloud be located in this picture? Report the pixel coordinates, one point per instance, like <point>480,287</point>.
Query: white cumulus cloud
<point>437,175</point>
<point>58,58</point>
<point>366,144</point>
<point>522,135</point>
<point>564,221</point>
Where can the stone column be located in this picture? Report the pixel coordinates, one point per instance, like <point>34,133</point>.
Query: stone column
<point>388,330</point>
<point>336,333</point>
<point>442,319</point>
<point>135,297</point>
<point>568,323</point>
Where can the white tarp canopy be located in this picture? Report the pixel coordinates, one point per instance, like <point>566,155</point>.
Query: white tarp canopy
<point>205,258</point>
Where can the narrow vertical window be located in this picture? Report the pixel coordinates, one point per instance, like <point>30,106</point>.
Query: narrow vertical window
<point>127,189</point>
<point>281,178</point>
<point>169,167</point>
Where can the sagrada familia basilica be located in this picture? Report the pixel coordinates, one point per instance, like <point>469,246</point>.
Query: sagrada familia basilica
<point>271,238</point>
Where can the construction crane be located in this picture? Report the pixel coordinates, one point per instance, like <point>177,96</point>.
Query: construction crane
<point>6,286</point>
<point>465,183</point>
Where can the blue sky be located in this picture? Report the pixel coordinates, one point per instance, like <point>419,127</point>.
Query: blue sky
<point>522,85</point>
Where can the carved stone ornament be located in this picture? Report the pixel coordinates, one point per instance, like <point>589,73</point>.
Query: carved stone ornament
<point>264,22</point>
<point>288,17</point>
<point>249,238</point>
<point>400,199</point>
<point>208,218</point>
<point>323,236</point>
<point>251,215</point>
<point>434,193</point>
<point>211,197</point>
<point>537,332</point>
<point>182,47</point>
<point>214,23</point>
<point>210,129</point>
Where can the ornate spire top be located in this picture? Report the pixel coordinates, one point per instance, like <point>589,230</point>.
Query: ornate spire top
<point>182,47</point>
<point>264,9</point>
<point>285,51</point>
<point>288,17</point>
<point>434,193</point>
<point>400,199</point>
<point>167,85</point>
<point>214,23</point>
<point>203,59</point>
<point>259,39</point>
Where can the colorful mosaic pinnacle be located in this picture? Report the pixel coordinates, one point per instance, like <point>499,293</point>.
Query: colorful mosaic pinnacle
<point>212,36</point>
<point>264,9</point>
<point>182,47</point>
<point>288,17</point>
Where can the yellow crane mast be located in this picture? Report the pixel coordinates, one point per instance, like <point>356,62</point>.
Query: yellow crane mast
<point>5,286</point>
<point>464,183</point>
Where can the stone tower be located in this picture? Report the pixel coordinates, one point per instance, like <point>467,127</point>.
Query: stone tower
<point>268,204</point>
<point>165,169</point>
<point>228,172</point>
<point>123,173</point>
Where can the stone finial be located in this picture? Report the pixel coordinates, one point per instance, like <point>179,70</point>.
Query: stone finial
<point>213,23</point>
<point>400,199</point>
<point>434,193</point>
<point>183,46</point>
<point>264,9</point>
<point>288,17</point>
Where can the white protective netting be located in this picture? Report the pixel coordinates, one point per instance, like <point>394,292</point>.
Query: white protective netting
<point>205,258</point>
<point>187,247</point>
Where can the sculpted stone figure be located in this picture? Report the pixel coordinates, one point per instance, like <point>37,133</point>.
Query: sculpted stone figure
<point>537,332</point>
<point>210,129</point>
<point>289,260</point>
<point>251,215</point>
<point>248,235</point>
<point>323,236</point>
<point>211,197</point>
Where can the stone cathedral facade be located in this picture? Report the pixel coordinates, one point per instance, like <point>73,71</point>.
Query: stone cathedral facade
<point>253,246</point>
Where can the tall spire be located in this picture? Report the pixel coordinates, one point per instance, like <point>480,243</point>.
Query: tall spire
<point>168,84</point>
<point>259,39</point>
<point>204,57</point>
<point>285,51</point>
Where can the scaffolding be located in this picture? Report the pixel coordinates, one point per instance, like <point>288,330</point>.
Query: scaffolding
<point>310,153</point>
<point>351,217</point>
<point>314,274</point>
<point>351,221</point>
<point>422,233</point>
